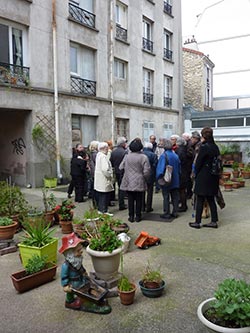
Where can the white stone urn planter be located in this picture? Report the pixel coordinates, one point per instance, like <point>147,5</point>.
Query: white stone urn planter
<point>212,327</point>
<point>105,264</point>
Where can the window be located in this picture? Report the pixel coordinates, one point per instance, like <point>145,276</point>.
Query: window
<point>168,7</point>
<point>82,68</point>
<point>247,121</point>
<point>231,122</point>
<point>121,127</point>
<point>120,69</point>
<point>12,42</point>
<point>148,129</point>
<point>167,52</point>
<point>147,86</point>
<point>203,123</point>
<point>121,21</point>
<point>168,130</point>
<point>167,100</point>
<point>147,43</point>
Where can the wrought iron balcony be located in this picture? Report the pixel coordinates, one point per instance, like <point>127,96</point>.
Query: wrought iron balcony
<point>82,86</point>
<point>167,8</point>
<point>167,54</point>
<point>167,102</point>
<point>13,74</point>
<point>148,98</point>
<point>121,33</point>
<point>147,44</point>
<point>82,16</point>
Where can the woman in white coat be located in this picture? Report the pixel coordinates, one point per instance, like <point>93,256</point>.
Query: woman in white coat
<point>103,180</point>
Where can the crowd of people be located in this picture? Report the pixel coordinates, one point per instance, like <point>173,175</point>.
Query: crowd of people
<point>134,171</point>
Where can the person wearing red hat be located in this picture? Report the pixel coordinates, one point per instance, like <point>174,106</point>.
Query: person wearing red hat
<point>74,276</point>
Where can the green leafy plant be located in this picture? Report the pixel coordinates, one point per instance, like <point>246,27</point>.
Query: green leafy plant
<point>5,221</point>
<point>232,305</point>
<point>151,275</point>
<point>35,264</point>
<point>92,213</point>
<point>124,284</point>
<point>37,235</point>
<point>49,200</point>
<point>105,239</point>
<point>235,166</point>
<point>65,210</point>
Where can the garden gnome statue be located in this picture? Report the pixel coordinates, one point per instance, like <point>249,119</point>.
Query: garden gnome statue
<point>74,277</point>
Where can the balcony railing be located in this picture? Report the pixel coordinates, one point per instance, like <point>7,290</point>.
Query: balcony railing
<point>147,44</point>
<point>82,86</point>
<point>148,98</point>
<point>121,33</point>
<point>167,8</point>
<point>167,54</point>
<point>82,16</point>
<point>14,74</point>
<point>167,102</point>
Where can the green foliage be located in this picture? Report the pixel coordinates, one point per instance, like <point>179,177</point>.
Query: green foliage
<point>35,264</point>
<point>5,221</point>
<point>49,200</point>
<point>124,284</point>
<point>37,235</point>
<point>105,239</point>
<point>92,213</point>
<point>12,200</point>
<point>235,166</point>
<point>65,210</point>
<point>152,275</point>
<point>233,302</point>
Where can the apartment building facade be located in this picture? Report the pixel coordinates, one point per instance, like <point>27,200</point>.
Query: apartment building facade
<point>85,70</point>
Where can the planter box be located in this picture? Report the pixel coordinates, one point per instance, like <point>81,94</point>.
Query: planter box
<point>49,250</point>
<point>50,182</point>
<point>24,282</point>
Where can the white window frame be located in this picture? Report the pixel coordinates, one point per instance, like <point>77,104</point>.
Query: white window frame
<point>148,129</point>
<point>147,81</point>
<point>167,40</point>
<point>168,130</point>
<point>121,11</point>
<point>81,62</point>
<point>208,85</point>
<point>168,86</point>
<point>17,26</point>
<point>147,29</point>
<point>120,69</point>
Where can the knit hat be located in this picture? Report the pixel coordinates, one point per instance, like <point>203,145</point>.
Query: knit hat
<point>135,145</point>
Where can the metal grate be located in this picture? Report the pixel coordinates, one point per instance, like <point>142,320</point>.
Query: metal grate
<point>121,33</point>
<point>82,86</point>
<point>81,15</point>
<point>167,102</point>
<point>167,8</point>
<point>167,54</point>
<point>14,74</point>
<point>147,44</point>
<point>148,98</point>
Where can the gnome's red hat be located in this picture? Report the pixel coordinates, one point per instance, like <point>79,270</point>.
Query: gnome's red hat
<point>69,242</point>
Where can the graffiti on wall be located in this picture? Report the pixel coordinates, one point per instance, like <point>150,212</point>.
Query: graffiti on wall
<point>18,146</point>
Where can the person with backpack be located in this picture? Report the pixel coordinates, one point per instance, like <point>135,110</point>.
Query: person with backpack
<point>206,182</point>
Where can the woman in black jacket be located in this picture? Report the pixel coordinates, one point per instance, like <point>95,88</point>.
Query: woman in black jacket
<point>206,184</point>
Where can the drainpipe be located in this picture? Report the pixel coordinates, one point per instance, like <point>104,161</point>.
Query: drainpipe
<point>111,56</point>
<point>56,105</point>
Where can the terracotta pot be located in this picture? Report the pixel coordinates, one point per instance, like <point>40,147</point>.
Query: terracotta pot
<point>8,231</point>
<point>228,187</point>
<point>127,297</point>
<point>66,227</point>
<point>236,185</point>
<point>49,218</point>
<point>236,174</point>
<point>23,282</point>
<point>245,174</point>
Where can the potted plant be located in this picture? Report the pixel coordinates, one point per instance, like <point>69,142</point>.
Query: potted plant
<point>105,251</point>
<point>91,214</point>
<point>7,227</point>
<point>228,186</point>
<point>236,171</point>
<point>46,145</point>
<point>229,310</point>
<point>245,172</point>
<point>126,288</point>
<point>65,213</point>
<point>37,272</point>
<point>152,283</point>
<point>49,201</point>
<point>38,240</point>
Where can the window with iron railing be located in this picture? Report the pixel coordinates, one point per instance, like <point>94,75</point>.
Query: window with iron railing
<point>14,74</point>
<point>167,54</point>
<point>167,8</point>
<point>148,98</point>
<point>121,33</point>
<point>147,44</point>
<point>81,15</point>
<point>167,102</point>
<point>82,86</point>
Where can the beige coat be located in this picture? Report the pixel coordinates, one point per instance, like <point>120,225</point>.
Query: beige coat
<point>103,180</point>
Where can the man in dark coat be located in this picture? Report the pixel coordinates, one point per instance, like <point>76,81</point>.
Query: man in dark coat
<point>78,172</point>
<point>116,157</point>
<point>206,184</point>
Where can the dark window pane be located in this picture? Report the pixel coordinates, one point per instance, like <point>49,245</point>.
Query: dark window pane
<point>230,122</point>
<point>4,43</point>
<point>247,121</point>
<point>203,123</point>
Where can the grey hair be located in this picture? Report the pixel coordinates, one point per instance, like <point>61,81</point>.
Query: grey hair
<point>93,145</point>
<point>102,145</point>
<point>148,145</point>
<point>121,140</point>
<point>181,141</point>
<point>167,144</point>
